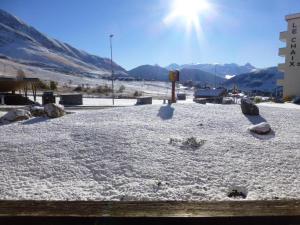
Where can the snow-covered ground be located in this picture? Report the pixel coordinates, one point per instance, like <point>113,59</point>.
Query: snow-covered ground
<point>138,153</point>
<point>279,105</point>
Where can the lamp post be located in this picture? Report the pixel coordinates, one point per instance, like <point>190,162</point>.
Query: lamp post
<point>112,70</point>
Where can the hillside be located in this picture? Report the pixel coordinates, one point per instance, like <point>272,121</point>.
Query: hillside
<point>24,44</point>
<point>264,80</point>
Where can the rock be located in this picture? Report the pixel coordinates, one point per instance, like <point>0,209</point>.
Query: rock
<point>37,111</point>
<point>54,110</point>
<point>249,108</point>
<point>262,128</point>
<point>297,100</point>
<point>16,115</point>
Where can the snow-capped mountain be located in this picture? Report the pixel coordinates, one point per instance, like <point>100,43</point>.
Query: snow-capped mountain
<point>221,70</point>
<point>263,80</point>
<point>149,72</point>
<point>23,43</point>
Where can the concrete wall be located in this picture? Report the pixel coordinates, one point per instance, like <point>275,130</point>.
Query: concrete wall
<point>71,99</point>
<point>291,67</point>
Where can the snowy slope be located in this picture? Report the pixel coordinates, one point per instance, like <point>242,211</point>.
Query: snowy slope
<point>25,44</point>
<point>126,154</point>
<point>264,80</point>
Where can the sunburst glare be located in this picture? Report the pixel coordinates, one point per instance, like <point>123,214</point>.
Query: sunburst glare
<point>189,13</point>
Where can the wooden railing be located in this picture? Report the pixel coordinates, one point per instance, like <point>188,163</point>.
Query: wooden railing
<point>93,212</point>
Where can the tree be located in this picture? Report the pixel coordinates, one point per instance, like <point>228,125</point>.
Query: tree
<point>53,85</point>
<point>121,88</point>
<point>20,74</point>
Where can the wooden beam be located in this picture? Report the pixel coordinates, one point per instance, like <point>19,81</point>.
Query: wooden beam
<point>149,209</point>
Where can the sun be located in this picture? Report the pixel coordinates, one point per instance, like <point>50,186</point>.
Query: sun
<point>189,12</point>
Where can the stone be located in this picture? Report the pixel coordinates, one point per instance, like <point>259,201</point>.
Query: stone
<point>16,115</point>
<point>37,111</point>
<point>262,128</point>
<point>249,108</point>
<point>297,100</point>
<point>54,110</point>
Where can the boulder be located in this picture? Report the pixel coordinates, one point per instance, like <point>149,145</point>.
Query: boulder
<point>297,100</point>
<point>262,128</point>
<point>37,111</point>
<point>16,115</point>
<point>54,110</point>
<point>249,108</point>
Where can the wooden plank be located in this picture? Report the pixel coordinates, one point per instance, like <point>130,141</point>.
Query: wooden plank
<point>149,209</point>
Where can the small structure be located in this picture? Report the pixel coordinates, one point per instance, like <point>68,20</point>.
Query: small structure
<point>144,101</point>
<point>71,99</point>
<point>173,77</point>
<point>211,95</point>
<point>181,96</point>
<point>48,97</point>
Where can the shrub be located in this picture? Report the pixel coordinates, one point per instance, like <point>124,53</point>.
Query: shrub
<point>137,94</point>
<point>78,88</point>
<point>103,89</point>
<point>42,85</point>
<point>121,88</point>
<point>53,85</point>
<point>288,98</point>
<point>257,99</point>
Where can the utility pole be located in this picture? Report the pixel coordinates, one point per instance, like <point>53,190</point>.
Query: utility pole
<point>112,70</point>
<point>215,75</point>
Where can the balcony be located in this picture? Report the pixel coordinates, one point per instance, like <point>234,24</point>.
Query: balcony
<point>282,52</point>
<point>283,36</point>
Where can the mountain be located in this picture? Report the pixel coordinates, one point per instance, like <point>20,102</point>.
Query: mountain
<point>263,80</point>
<point>24,44</point>
<point>149,72</point>
<point>220,69</point>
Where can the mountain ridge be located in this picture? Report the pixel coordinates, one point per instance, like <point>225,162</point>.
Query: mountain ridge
<point>220,69</point>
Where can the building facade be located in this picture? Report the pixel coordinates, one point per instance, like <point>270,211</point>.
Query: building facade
<point>291,67</point>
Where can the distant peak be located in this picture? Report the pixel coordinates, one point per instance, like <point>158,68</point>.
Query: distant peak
<point>249,65</point>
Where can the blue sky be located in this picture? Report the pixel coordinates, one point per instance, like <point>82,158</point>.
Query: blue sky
<point>236,31</point>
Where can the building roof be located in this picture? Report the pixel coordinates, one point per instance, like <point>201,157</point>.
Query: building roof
<point>292,16</point>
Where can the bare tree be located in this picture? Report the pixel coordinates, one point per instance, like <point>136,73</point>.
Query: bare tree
<point>20,74</point>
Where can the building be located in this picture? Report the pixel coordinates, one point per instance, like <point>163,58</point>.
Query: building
<point>211,95</point>
<point>291,67</point>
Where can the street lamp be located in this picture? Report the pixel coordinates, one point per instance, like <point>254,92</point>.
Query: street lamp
<point>112,70</point>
